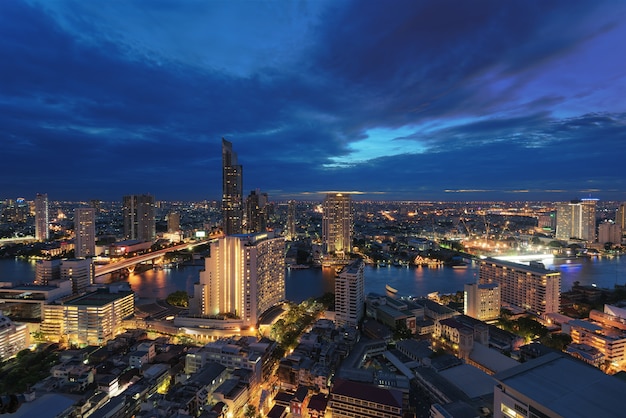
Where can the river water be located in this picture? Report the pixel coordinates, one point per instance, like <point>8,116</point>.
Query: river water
<point>302,284</point>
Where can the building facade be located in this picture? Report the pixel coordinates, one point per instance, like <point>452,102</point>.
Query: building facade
<point>85,232</point>
<point>256,213</point>
<point>173,222</point>
<point>13,338</point>
<point>609,232</point>
<point>354,399</point>
<point>482,301</point>
<point>139,217</point>
<point>243,277</point>
<point>350,294</point>
<point>232,190</point>
<point>337,223</point>
<point>79,271</point>
<point>532,288</point>
<point>291,220</point>
<point>576,220</point>
<point>42,217</point>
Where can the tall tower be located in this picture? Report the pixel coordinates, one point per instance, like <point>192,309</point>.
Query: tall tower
<point>85,232</point>
<point>42,218</point>
<point>576,219</point>
<point>256,213</point>
<point>139,217</point>
<point>291,220</point>
<point>350,294</point>
<point>337,223</point>
<point>244,276</point>
<point>232,190</point>
<point>173,222</point>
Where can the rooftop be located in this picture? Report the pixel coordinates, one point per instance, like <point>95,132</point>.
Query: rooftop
<point>97,298</point>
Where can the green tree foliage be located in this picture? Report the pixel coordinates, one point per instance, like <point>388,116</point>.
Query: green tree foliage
<point>556,341</point>
<point>178,298</point>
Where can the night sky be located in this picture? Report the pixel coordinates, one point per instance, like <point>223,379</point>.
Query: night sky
<point>412,100</point>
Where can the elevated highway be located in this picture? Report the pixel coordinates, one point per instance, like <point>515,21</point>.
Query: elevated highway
<point>128,263</point>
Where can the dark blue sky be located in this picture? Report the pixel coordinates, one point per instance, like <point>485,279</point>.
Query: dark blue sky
<point>424,100</point>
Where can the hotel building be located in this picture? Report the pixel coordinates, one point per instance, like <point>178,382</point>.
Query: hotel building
<point>576,220</point>
<point>337,223</point>
<point>42,217</point>
<point>232,190</point>
<point>350,294</point>
<point>482,301</point>
<point>85,232</point>
<point>532,288</point>
<point>92,318</point>
<point>243,277</point>
<point>139,217</point>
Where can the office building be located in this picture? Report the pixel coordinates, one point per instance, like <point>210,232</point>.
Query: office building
<point>576,220</point>
<point>139,217</point>
<point>47,270</point>
<point>607,340</point>
<point>555,385</point>
<point>482,301</point>
<point>337,224</point>
<point>350,399</point>
<point>530,287</point>
<point>79,271</point>
<point>256,212</point>
<point>291,220</point>
<point>92,318</point>
<point>232,190</point>
<point>244,276</point>
<point>85,232</point>
<point>609,232</point>
<point>42,217</point>
<point>350,294</point>
<point>173,222</point>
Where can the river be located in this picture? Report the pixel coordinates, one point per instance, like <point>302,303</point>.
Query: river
<point>305,283</point>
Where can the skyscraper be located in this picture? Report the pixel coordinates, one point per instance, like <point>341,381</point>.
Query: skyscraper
<point>173,222</point>
<point>291,220</point>
<point>85,232</point>
<point>256,215</point>
<point>42,218</point>
<point>139,217</point>
<point>576,219</point>
<point>337,224</point>
<point>350,294</point>
<point>244,276</point>
<point>232,190</point>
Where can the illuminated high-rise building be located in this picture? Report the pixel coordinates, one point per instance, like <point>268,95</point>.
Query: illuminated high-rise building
<point>139,217</point>
<point>291,220</point>
<point>350,294</point>
<point>80,271</point>
<point>42,217</point>
<point>173,222</point>
<point>232,190</point>
<point>482,301</point>
<point>609,232</point>
<point>576,220</point>
<point>85,232</point>
<point>530,287</point>
<point>244,276</point>
<point>337,224</point>
<point>620,218</point>
<point>256,214</point>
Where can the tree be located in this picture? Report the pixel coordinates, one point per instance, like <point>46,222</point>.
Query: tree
<point>178,298</point>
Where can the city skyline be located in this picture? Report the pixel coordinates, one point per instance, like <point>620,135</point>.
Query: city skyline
<point>448,101</point>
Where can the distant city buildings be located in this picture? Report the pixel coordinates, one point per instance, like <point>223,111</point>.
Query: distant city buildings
<point>85,232</point>
<point>609,232</point>
<point>291,220</point>
<point>530,287</point>
<point>42,217</point>
<point>350,294</point>
<point>244,276</point>
<point>576,220</point>
<point>232,190</point>
<point>256,212</point>
<point>482,301</point>
<point>337,224</point>
<point>139,217</point>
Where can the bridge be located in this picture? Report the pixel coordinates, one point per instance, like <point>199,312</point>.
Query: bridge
<point>128,263</point>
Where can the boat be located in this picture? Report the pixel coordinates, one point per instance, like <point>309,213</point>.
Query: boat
<point>459,266</point>
<point>391,289</point>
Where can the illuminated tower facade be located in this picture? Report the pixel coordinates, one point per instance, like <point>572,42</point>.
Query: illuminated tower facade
<point>256,213</point>
<point>232,190</point>
<point>85,232</point>
<point>530,287</point>
<point>576,219</point>
<point>337,224</point>
<point>139,217</point>
<point>482,301</point>
<point>244,276</point>
<point>350,294</point>
<point>291,220</point>
<point>42,217</point>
